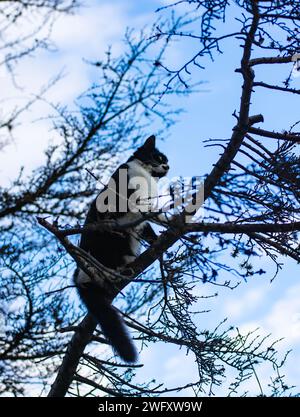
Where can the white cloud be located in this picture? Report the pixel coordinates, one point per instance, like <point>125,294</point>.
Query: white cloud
<point>175,373</point>
<point>86,34</point>
<point>283,319</point>
<point>26,151</point>
<point>236,307</point>
<point>91,30</point>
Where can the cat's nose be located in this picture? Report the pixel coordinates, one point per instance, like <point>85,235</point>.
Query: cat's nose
<point>165,167</point>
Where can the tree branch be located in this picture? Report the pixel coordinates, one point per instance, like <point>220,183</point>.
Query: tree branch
<point>243,228</point>
<point>276,87</point>
<point>75,350</point>
<point>271,60</point>
<point>275,135</point>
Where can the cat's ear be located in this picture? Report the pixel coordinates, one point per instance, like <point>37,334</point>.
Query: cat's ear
<point>150,143</point>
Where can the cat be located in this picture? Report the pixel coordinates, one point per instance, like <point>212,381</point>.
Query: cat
<point>130,192</point>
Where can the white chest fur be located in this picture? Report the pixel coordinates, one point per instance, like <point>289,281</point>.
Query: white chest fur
<point>145,196</point>
<point>141,194</point>
<point>143,200</point>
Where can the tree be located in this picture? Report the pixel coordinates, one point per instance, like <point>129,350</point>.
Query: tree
<point>119,106</point>
<point>250,195</point>
<point>35,18</point>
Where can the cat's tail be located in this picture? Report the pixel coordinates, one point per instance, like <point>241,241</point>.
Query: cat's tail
<point>111,322</point>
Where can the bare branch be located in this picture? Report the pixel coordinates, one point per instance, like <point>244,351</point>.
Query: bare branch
<point>293,137</point>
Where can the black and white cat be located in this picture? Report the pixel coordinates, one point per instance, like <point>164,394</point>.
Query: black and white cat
<point>131,191</point>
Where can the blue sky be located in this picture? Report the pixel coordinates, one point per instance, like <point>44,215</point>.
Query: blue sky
<point>274,307</point>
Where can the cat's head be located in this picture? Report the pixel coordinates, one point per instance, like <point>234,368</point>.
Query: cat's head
<point>152,159</point>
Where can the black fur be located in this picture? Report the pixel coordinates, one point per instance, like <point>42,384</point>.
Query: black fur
<point>110,247</point>
<point>110,321</point>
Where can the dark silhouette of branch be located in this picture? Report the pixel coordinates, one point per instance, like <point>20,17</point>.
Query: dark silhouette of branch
<point>293,137</point>
<point>271,60</point>
<point>75,350</point>
<point>276,87</point>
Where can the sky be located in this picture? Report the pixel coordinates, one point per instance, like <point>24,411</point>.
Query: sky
<point>273,307</point>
